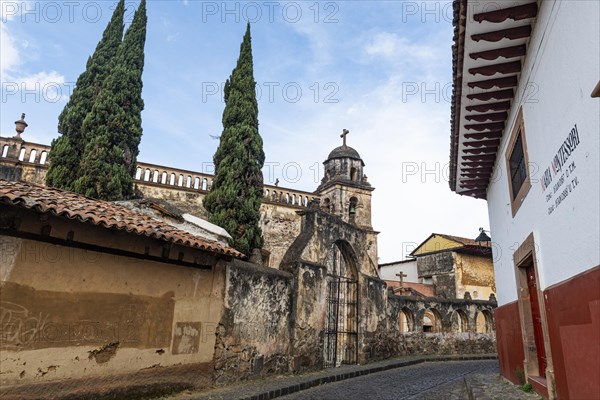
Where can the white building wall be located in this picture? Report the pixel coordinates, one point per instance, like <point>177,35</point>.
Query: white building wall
<point>388,272</point>
<point>560,71</point>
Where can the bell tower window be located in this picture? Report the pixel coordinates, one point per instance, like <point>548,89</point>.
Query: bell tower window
<point>352,209</point>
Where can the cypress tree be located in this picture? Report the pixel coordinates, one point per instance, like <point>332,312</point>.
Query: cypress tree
<point>67,150</point>
<point>113,128</point>
<point>235,197</point>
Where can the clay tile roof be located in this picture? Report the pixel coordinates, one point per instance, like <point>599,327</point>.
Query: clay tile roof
<point>102,213</point>
<point>462,240</point>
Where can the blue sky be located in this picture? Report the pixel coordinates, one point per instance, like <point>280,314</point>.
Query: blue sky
<point>381,69</point>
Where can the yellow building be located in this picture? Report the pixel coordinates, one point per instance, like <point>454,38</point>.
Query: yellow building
<point>457,267</point>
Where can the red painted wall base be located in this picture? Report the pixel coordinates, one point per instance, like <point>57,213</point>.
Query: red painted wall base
<point>509,342</point>
<point>573,314</point>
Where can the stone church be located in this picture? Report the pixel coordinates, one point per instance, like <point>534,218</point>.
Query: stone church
<point>312,299</point>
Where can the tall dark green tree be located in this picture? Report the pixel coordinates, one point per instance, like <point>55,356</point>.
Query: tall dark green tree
<point>113,128</point>
<point>234,199</point>
<point>67,149</point>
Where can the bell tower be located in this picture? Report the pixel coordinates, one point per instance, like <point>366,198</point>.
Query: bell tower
<point>344,190</point>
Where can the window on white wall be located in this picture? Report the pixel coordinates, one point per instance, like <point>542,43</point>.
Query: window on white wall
<point>517,165</point>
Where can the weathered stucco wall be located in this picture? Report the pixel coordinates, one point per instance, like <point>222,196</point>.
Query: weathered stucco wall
<point>474,274</point>
<point>308,318</point>
<point>253,336</point>
<point>281,225</point>
<point>68,313</point>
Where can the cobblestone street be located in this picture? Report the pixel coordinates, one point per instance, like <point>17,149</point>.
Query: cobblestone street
<point>427,381</point>
<point>406,378</point>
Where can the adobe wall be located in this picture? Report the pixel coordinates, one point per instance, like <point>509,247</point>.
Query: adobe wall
<point>68,313</point>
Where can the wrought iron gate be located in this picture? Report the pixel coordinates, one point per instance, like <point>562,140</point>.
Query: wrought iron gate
<point>341,331</point>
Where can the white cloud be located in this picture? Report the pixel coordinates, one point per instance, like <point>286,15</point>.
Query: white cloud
<point>9,54</point>
<point>397,49</point>
<point>49,85</point>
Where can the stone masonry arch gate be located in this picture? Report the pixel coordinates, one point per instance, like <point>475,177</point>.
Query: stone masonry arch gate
<point>330,260</point>
<point>341,326</point>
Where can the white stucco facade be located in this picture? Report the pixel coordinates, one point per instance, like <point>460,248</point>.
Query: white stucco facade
<point>409,268</point>
<point>559,74</point>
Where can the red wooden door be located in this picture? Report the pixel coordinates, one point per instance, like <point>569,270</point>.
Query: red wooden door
<point>537,320</point>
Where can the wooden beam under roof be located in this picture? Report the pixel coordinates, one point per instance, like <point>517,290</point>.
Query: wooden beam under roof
<point>504,69</point>
<point>480,143</point>
<point>483,135</point>
<point>516,13</point>
<point>500,83</point>
<point>496,95</point>
<point>482,157</point>
<point>482,150</point>
<point>478,164</point>
<point>501,116</point>
<point>492,126</point>
<point>485,107</point>
<point>506,52</point>
<point>510,34</point>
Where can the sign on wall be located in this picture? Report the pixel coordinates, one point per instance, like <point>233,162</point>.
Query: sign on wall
<point>560,177</point>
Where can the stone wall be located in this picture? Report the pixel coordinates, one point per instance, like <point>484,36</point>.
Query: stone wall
<point>436,263</point>
<point>254,336</point>
<point>309,313</point>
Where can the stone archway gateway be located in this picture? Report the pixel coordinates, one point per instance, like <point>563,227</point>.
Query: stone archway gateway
<point>341,329</point>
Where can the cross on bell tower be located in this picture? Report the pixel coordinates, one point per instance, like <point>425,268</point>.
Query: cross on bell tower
<point>345,133</point>
<point>345,190</point>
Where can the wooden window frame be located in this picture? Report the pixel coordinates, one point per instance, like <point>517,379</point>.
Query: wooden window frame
<point>516,199</point>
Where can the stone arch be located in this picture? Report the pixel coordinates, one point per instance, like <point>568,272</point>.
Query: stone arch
<point>22,154</point>
<point>459,321</point>
<point>43,157</point>
<point>406,320</point>
<point>138,173</point>
<point>342,253</point>
<point>354,174</point>
<point>484,322</point>
<point>341,330</point>
<point>432,321</point>
<point>32,155</point>
<point>4,150</point>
